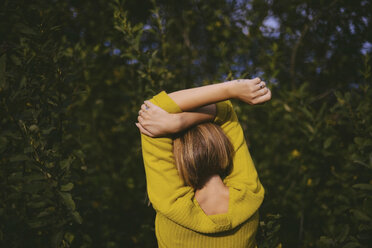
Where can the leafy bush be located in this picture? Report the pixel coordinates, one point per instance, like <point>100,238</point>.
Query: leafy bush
<point>74,73</point>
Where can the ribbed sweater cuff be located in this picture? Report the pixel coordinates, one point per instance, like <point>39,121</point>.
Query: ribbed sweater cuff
<point>165,102</point>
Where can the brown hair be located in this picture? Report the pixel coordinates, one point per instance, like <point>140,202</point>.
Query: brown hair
<point>202,151</point>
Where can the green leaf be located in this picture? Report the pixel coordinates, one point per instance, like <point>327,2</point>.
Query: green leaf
<point>307,113</point>
<point>65,164</point>
<point>310,128</point>
<point>37,223</point>
<point>327,142</point>
<point>363,186</point>
<point>67,200</point>
<point>39,204</point>
<point>358,141</point>
<point>57,239</point>
<point>338,94</point>
<point>48,130</point>
<point>35,187</point>
<point>343,234</point>
<point>34,177</point>
<point>33,128</point>
<point>362,163</point>
<point>287,108</point>
<point>19,158</point>
<point>77,217</point>
<point>67,187</point>
<point>326,240</point>
<point>28,149</point>
<point>360,215</point>
<point>15,60</point>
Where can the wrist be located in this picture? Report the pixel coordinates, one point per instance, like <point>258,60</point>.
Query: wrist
<point>178,123</point>
<point>231,89</point>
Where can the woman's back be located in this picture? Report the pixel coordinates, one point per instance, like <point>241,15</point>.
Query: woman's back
<point>213,198</point>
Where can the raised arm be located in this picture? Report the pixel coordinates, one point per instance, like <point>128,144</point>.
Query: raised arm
<point>200,105</point>
<point>252,91</point>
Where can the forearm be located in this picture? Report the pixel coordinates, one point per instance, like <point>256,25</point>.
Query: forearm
<point>189,99</point>
<point>199,115</point>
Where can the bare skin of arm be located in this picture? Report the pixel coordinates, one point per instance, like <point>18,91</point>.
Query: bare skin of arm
<point>198,105</point>
<point>213,198</point>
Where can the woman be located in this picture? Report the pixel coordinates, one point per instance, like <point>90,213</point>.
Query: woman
<point>222,211</point>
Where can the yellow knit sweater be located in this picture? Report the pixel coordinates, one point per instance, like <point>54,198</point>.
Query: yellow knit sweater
<point>180,222</point>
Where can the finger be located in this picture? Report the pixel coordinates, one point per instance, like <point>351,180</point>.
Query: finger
<point>143,130</point>
<point>260,92</point>
<point>140,119</point>
<point>144,107</point>
<point>264,98</point>
<point>259,86</point>
<point>152,106</point>
<point>149,104</point>
<point>256,80</point>
<point>145,115</point>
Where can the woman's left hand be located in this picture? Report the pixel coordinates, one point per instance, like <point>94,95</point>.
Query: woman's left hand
<point>154,121</point>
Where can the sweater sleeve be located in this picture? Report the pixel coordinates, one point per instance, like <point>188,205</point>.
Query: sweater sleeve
<point>246,191</point>
<point>172,198</point>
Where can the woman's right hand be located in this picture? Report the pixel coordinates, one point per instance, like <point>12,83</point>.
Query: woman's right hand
<point>251,91</point>
<point>154,121</point>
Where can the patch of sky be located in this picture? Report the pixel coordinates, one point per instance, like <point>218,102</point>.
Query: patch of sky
<point>365,20</point>
<point>272,81</point>
<point>243,4</point>
<point>354,86</point>
<point>352,27</point>
<point>366,48</point>
<point>107,43</point>
<point>270,2</point>
<point>250,62</point>
<point>328,54</point>
<point>244,27</point>
<point>74,13</point>
<point>145,48</point>
<point>245,30</point>
<point>146,27</point>
<point>238,67</point>
<point>332,38</point>
<point>240,15</point>
<point>150,47</point>
<point>304,11</point>
<point>196,62</point>
<point>116,51</point>
<point>259,74</point>
<point>309,58</point>
<point>318,70</point>
<point>271,27</point>
<point>132,61</point>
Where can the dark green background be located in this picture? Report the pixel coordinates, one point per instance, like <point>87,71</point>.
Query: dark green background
<point>73,75</point>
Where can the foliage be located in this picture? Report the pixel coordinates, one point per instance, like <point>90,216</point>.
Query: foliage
<point>74,73</point>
